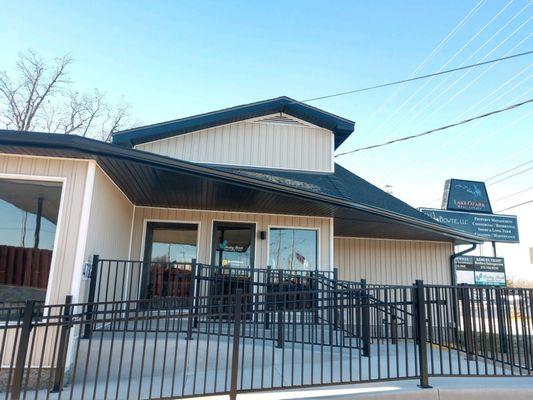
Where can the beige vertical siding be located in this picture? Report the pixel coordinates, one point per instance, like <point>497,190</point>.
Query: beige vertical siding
<point>75,172</point>
<point>257,144</point>
<point>110,220</point>
<point>392,261</point>
<point>206,218</point>
<point>109,229</point>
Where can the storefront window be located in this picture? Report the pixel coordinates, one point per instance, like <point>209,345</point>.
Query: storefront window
<point>170,247</point>
<point>293,248</point>
<point>171,243</point>
<point>28,215</point>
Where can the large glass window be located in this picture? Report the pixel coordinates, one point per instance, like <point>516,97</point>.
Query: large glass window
<point>291,248</point>
<point>171,243</point>
<point>28,219</point>
<point>169,249</point>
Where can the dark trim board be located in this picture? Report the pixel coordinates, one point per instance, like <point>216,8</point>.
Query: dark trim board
<point>341,127</point>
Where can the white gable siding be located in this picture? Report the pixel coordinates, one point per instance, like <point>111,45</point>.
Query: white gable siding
<point>259,143</point>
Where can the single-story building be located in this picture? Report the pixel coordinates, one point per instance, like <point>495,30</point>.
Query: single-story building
<point>249,186</point>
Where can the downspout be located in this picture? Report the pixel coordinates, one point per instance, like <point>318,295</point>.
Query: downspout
<point>455,308</point>
<point>452,259</point>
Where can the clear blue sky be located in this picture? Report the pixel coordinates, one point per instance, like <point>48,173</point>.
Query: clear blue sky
<point>176,58</point>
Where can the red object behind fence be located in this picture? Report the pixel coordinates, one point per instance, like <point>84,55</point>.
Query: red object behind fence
<point>21,266</point>
<point>168,281</point>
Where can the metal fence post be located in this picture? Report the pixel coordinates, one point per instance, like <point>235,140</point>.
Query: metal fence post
<point>365,319</point>
<point>24,340</point>
<point>236,344</point>
<point>195,290</point>
<point>394,326</point>
<point>280,305</point>
<point>500,315</point>
<point>192,312</point>
<point>315,298</point>
<point>467,321</point>
<point>335,299</point>
<point>421,333</point>
<point>268,289</point>
<point>87,329</point>
<point>59,374</point>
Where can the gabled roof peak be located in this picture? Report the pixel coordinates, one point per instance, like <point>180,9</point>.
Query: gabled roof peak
<point>340,127</point>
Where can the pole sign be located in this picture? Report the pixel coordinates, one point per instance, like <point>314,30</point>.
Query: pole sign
<point>492,227</point>
<point>461,195</point>
<point>480,271</point>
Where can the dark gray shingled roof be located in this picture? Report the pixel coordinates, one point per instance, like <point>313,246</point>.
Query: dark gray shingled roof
<point>341,184</point>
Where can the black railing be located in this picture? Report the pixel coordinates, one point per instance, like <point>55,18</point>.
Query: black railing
<point>282,337</point>
<point>389,317</point>
<point>117,280</point>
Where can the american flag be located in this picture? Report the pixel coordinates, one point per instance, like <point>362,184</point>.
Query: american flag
<point>299,257</point>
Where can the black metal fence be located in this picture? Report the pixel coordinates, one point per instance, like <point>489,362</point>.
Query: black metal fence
<point>118,280</point>
<point>281,337</point>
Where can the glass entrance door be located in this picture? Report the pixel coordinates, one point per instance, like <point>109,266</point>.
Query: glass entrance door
<point>233,245</point>
<point>233,257</point>
<point>168,253</point>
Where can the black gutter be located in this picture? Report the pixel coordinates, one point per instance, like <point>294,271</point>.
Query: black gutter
<point>455,311</point>
<point>95,147</point>
<point>452,262</point>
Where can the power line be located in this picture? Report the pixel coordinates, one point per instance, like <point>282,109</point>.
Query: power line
<point>416,108</point>
<point>482,137</point>
<point>492,177</point>
<point>492,99</point>
<point>416,78</point>
<point>509,170</point>
<point>510,176</point>
<point>512,106</point>
<point>514,194</point>
<point>516,205</point>
<point>416,112</point>
<point>436,50</point>
<point>500,174</point>
<point>425,105</point>
<point>419,112</point>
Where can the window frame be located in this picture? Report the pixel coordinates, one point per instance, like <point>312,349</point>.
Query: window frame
<point>62,180</point>
<point>251,224</point>
<point>143,242</point>
<point>303,228</point>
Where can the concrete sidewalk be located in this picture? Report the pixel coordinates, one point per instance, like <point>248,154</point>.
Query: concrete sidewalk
<point>515,388</point>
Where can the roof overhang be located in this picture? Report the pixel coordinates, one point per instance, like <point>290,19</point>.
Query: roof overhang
<point>341,127</point>
<point>157,181</point>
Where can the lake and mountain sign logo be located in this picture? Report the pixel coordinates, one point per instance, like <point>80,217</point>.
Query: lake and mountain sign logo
<point>461,195</point>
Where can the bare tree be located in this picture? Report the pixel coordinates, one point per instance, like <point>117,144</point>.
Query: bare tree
<point>117,118</point>
<point>36,83</point>
<point>40,98</point>
<point>519,282</point>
